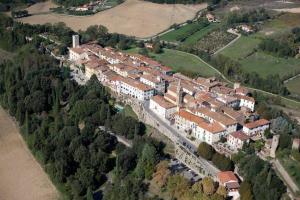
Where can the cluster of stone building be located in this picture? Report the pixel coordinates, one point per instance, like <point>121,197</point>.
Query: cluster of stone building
<point>203,108</point>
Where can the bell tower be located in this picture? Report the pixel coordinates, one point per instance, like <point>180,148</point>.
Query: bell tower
<point>179,95</point>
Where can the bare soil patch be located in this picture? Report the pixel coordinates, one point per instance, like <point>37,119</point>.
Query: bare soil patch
<point>290,10</point>
<point>21,176</point>
<point>133,17</point>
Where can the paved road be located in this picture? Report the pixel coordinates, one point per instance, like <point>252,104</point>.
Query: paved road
<point>179,138</point>
<point>121,139</point>
<point>287,179</point>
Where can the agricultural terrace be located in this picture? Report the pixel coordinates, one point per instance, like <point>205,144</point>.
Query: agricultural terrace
<point>190,33</point>
<point>294,86</point>
<point>133,17</point>
<point>214,41</point>
<point>181,62</point>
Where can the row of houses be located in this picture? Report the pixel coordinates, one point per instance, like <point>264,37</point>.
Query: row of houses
<point>204,108</point>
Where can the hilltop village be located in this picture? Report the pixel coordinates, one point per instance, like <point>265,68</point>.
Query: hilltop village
<point>203,108</point>
<point>200,110</point>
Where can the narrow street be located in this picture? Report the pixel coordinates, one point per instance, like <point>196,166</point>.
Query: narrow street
<point>183,141</point>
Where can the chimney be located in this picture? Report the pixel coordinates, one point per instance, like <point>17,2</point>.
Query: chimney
<point>75,41</point>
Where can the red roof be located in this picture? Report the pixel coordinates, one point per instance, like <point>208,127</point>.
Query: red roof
<point>257,123</point>
<point>240,135</point>
<point>227,176</point>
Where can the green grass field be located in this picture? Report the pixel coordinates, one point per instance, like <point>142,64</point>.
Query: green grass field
<point>172,36</point>
<point>181,62</point>
<point>294,86</point>
<point>262,63</point>
<point>241,48</point>
<point>265,64</point>
<point>200,34</point>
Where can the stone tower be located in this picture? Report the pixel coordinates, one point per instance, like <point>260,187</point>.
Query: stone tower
<point>75,41</point>
<point>179,95</point>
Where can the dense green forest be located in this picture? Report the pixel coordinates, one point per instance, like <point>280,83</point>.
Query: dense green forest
<point>59,121</point>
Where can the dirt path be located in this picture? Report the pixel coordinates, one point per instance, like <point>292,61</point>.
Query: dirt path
<point>290,10</point>
<point>21,176</point>
<point>133,17</point>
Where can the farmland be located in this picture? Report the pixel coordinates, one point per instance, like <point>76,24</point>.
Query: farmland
<point>174,35</point>
<point>133,17</point>
<point>257,61</point>
<point>241,48</point>
<point>21,175</point>
<point>265,64</point>
<point>214,41</point>
<point>246,52</point>
<point>182,62</point>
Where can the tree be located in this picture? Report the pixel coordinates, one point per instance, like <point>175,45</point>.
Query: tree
<point>205,150</point>
<point>208,186</point>
<point>157,48</point>
<point>162,173</point>
<point>245,191</point>
<point>222,191</point>
<point>147,162</point>
<point>177,186</point>
<point>223,163</point>
<point>89,194</point>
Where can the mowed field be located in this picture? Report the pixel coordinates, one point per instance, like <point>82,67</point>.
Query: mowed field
<point>294,86</point>
<point>181,62</point>
<point>133,17</point>
<point>21,176</point>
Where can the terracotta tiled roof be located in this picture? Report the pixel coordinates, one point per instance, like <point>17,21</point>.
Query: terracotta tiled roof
<point>240,135</point>
<point>246,98</point>
<point>167,96</point>
<point>151,78</point>
<point>257,123</point>
<point>218,117</point>
<point>190,116</point>
<point>227,176</point>
<point>136,84</point>
<point>202,123</point>
<point>162,102</point>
